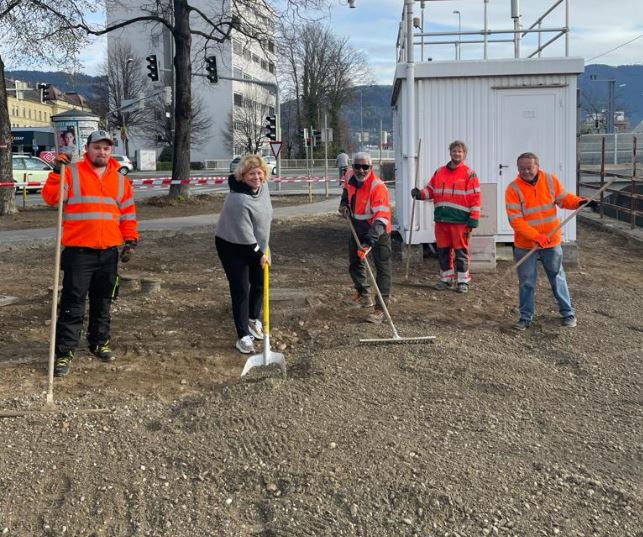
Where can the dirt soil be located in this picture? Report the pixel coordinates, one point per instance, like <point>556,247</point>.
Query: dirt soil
<point>486,431</point>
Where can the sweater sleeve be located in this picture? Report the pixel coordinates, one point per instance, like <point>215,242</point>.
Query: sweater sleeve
<point>564,199</point>
<point>128,224</point>
<point>516,219</point>
<point>474,199</point>
<point>427,191</point>
<point>51,189</point>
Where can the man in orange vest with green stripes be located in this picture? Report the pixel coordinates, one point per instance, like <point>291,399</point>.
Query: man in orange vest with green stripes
<point>531,201</point>
<point>455,191</point>
<point>98,216</point>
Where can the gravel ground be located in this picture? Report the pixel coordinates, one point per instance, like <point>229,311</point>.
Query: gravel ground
<point>485,431</point>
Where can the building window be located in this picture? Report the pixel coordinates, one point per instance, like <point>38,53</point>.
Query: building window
<point>271,45</point>
<point>237,73</point>
<point>238,99</point>
<point>271,111</point>
<point>271,67</point>
<point>237,48</point>
<point>256,59</point>
<point>247,54</point>
<point>264,65</point>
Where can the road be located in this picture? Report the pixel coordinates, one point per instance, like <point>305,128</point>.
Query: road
<point>294,182</point>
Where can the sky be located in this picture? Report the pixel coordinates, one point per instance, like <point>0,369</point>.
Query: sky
<point>372,26</point>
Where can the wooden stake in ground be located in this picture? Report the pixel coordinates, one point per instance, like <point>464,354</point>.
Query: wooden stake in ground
<point>417,181</point>
<point>54,298</point>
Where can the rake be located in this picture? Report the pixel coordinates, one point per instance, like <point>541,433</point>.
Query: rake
<point>396,336</point>
<point>267,357</point>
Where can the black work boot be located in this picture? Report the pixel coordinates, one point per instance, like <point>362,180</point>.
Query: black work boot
<point>102,352</point>
<point>61,365</point>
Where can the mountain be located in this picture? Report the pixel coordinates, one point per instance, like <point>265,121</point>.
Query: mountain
<point>629,88</point>
<point>86,85</point>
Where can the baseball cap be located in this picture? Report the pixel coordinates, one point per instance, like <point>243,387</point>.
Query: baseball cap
<point>98,136</point>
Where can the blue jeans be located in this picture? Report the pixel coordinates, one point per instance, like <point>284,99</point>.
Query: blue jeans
<point>552,260</point>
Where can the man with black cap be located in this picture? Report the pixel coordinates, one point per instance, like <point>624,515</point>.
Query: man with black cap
<point>99,215</point>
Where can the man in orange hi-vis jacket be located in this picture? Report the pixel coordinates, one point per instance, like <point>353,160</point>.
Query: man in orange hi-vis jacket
<point>455,191</point>
<point>531,201</point>
<point>98,216</point>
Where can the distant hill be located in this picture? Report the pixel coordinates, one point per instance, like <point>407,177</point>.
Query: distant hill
<point>628,96</point>
<point>84,84</point>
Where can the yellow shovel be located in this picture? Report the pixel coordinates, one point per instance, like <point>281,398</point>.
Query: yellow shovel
<point>267,357</point>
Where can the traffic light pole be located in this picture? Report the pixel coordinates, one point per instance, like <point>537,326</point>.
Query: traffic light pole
<point>270,85</point>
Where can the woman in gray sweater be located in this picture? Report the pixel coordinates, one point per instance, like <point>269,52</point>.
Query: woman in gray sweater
<point>241,239</point>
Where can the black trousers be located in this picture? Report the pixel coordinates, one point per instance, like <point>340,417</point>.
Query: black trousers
<point>381,255</point>
<point>87,271</point>
<point>245,278</point>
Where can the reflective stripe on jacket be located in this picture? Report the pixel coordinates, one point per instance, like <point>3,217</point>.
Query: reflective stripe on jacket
<point>98,212</point>
<point>531,208</point>
<point>455,194</point>
<point>369,202</point>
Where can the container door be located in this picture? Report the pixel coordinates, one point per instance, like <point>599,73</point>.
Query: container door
<point>529,121</point>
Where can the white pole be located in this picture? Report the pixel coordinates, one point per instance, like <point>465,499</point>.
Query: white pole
<point>410,105</point>
<point>486,27</point>
<point>326,153</point>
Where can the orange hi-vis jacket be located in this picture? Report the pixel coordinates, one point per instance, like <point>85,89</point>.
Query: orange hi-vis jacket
<point>371,201</point>
<point>456,195</point>
<point>98,212</point>
<point>531,208</point>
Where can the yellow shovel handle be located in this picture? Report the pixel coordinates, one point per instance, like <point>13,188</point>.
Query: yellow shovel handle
<point>266,299</point>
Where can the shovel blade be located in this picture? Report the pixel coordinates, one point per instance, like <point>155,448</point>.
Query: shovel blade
<point>266,358</point>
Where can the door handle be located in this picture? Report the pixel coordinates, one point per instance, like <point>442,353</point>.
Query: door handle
<point>501,166</point>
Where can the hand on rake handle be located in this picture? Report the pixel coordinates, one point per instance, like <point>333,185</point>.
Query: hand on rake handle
<point>363,250</point>
<point>542,240</point>
<point>264,261</point>
<point>344,211</point>
<point>61,158</point>
<point>591,204</point>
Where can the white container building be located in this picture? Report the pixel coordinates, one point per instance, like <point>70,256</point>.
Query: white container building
<point>498,107</point>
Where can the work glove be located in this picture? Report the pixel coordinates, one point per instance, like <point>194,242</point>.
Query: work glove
<point>542,240</point>
<point>128,250</point>
<point>592,204</point>
<point>61,158</point>
<point>363,250</point>
<point>467,231</point>
<point>344,211</point>
<point>416,194</point>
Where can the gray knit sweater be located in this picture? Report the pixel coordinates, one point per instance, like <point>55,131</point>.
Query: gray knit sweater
<point>245,217</point>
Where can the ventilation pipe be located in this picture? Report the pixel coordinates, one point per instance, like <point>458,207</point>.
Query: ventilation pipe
<point>515,15</point>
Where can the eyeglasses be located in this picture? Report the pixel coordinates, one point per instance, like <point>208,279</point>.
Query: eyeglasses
<point>364,167</point>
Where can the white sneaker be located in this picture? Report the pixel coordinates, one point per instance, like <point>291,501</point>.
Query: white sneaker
<point>244,345</point>
<point>255,328</point>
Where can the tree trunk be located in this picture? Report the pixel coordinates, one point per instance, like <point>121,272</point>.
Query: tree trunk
<point>7,194</point>
<point>182,105</point>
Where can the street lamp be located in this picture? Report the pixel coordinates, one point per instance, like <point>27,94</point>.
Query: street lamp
<point>361,123</point>
<point>459,43</point>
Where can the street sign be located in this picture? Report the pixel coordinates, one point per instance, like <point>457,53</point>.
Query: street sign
<point>47,156</point>
<point>276,148</point>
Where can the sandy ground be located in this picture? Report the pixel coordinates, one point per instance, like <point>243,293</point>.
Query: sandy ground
<point>485,431</point>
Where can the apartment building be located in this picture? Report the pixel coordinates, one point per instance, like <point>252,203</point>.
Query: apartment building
<point>236,110</point>
<point>26,108</point>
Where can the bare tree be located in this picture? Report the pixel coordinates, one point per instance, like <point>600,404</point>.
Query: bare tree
<point>209,26</point>
<point>125,81</point>
<point>246,123</point>
<point>157,126</point>
<point>25,27</point>
<point>320,71</point>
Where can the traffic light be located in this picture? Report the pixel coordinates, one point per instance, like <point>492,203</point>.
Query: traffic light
<point>152,67</point>
<point>271,127</point>
<point>316,137</point>
<point>44,92</point>
<point>211,68</point>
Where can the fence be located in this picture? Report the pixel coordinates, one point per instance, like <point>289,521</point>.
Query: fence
<point>623,200</point>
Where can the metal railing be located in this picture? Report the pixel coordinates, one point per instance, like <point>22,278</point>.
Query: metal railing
<point>623,200</point>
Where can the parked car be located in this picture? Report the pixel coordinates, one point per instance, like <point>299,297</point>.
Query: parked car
<point>270,160</point>
<point>33,168</point>
<point>126,165</point>
<point>234,163</point>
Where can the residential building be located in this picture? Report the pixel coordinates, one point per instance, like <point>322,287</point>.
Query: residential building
<point>27,109</point>
<point>236,109</point>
